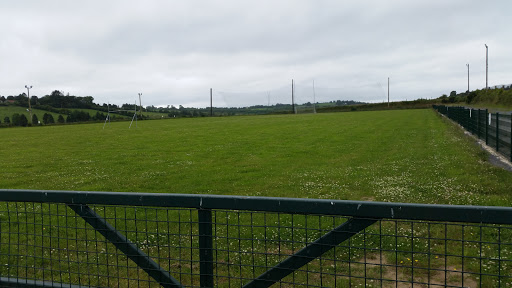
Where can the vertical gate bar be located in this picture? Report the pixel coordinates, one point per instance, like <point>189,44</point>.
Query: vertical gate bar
<point>205,247</point>
<point>497,131</point>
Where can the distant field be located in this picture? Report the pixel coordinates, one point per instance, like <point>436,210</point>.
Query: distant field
<point>402,155</point>
<point>9,110</point>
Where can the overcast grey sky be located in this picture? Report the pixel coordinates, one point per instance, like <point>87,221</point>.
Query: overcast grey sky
<point>173,52</point>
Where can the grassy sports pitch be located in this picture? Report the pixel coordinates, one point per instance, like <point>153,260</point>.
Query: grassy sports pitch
<point>404,156</point>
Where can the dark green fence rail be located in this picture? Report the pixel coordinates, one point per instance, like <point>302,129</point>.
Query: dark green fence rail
<point>100,239</point>
<point>493,128</point>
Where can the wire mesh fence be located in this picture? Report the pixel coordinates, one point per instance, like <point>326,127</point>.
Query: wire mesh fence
<point>493,128</point>
<point>63,239</point>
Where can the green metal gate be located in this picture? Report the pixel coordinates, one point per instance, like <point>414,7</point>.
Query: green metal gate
<point>102,239</point>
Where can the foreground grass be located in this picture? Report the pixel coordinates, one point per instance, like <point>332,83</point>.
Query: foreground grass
<point>406,156</point>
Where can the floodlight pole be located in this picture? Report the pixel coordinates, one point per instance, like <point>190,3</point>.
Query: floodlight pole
<point>211,102</point>
<point>140,103</point>
<point>486,67</point>
<point>29,108</point>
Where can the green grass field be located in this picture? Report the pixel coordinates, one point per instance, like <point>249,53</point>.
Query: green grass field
<point>404,156</point>
<point>401,156</point>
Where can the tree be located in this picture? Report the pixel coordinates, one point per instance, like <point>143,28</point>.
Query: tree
<point>23,120</point>
<point>48,118</point>
<point>470,97</point>
<point>99,116</point>
<point>78,116</point>
<point>35,120</point>
<point>19,120</point>
<point>60,119</point>
<point>15,119</point>
<point>34,100</point>
<point>6,120</point>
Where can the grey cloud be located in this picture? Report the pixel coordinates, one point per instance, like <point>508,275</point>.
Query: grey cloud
<point>174,51</point>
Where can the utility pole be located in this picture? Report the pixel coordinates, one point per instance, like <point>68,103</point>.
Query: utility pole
<point>140,103</point>
<point>211,103</point>
<point>29,108</point>
<point>468,76</point>
<point>293,102</point>
<point>388,91</point>
<point>486,67</point>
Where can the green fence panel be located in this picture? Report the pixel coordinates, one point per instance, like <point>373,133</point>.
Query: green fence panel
<point>108,239</point>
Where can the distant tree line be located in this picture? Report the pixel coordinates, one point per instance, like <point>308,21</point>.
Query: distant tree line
<point>56,100</point>
<point>502,94</point>
<point>68,107</point>
<point>18,119</point>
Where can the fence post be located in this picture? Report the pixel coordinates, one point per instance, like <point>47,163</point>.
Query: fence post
<point>469,117</point>
<point>467,113</point>
<point>497,132</point>
<point>478,123</point>
<point>470,120</point>
<point>486,127</point>
<point>205,247</point>
<point>473,122</point>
